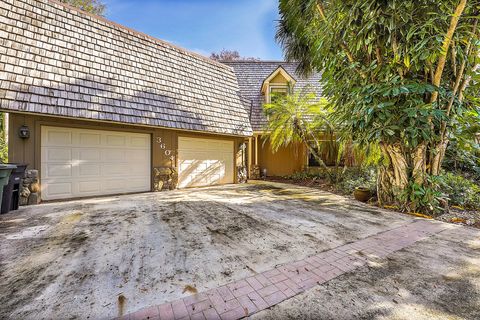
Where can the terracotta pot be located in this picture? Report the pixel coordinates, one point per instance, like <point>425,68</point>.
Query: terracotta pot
<point>362,194</point>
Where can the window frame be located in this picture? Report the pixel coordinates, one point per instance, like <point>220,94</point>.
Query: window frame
<point>274,86</point>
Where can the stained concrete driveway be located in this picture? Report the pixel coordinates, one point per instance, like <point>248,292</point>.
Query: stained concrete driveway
<point>103,257</point>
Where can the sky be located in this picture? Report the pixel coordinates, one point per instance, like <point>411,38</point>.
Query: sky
<point>204,26</point>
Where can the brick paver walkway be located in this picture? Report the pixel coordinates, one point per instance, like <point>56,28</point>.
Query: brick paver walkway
<point>247,296</point>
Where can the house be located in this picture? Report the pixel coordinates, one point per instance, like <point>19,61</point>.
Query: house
<point>258,80</point>
<point>99,109</point>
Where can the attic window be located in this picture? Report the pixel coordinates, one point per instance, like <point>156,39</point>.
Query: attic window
<point>277,83</point>
<point>276,91</point>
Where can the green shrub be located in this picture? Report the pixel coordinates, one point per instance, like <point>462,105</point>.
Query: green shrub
<point>461,191</point>
<point>424,198</point>
<point>3,151</point>
<point>347,179</point>
<point>303,175</point>
<point>463,157</point>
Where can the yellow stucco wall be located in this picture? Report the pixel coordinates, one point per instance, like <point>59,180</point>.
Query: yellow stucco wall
<point>286,161</point>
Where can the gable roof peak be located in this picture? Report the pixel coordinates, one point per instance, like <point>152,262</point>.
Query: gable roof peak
<point>279,70</point>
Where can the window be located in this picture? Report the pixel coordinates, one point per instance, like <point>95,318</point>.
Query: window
<point>277,91</point>
<point>328,153</point>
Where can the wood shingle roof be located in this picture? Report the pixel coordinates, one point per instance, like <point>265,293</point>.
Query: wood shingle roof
<point>59,61</point>
<point>251,75</point>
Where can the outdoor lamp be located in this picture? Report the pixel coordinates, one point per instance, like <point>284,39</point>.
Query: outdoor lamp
<point>24,132</point>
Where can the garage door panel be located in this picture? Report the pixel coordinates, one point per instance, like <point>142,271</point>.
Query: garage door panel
<point>116,169</point>
<point>136,155</point>
<point>89,154</point>
<point>138,171</point>
<point>114,155</point>
<point>90,139</point>
<point>113,185</point>
<point>138,183</point>
<point>56,154</point>
<point>60,190</point>
<point>58,137</point>
<point>81,162</point>
<point>193,144</point>
<point>116,141</point>
<point>63,170</point>
<point>204,162</point>
<point>139,142</point>
<point>116,185</point>
<point>89,187</point>
<point>89,169</point>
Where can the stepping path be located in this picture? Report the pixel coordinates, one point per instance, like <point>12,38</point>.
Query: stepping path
<point>250,295</point>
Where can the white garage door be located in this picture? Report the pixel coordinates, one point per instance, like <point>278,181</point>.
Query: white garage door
<point>81,163</point>
<point>204,162</point>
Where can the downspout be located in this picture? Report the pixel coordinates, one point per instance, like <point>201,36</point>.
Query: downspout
<point>256,150</point>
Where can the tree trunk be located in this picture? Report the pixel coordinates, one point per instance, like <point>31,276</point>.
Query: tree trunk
<point>419,162</point>
<point>403,168</point>
<point>317,156</point>
<point>392,177</point>
<point>439,155</point>
<point>437,78</point>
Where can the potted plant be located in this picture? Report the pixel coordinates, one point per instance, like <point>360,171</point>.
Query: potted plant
<point>362,194</point>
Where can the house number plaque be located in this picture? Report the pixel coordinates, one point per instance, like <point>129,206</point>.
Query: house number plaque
<point>163,146</point>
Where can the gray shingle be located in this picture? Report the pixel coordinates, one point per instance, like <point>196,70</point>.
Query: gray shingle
<point>251,74</point>
<point>73,63</point>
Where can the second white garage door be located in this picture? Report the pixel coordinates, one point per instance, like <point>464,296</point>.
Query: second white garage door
<point>80,162</point>
<point>204,162</point>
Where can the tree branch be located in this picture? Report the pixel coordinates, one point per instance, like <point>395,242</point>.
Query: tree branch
<point>437,78</point>
<point>458,88</point>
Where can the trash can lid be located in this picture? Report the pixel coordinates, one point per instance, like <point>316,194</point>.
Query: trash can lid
<point>7,166</point>
<point>19,167</point>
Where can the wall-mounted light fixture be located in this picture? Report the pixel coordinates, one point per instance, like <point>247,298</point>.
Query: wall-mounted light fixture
<point>24,132</point>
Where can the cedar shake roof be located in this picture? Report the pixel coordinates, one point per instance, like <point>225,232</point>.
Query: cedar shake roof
<point>251,74</point>
<point>59,61</point>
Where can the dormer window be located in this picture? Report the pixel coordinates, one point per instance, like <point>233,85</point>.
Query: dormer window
<point>276,91</point>
<point>276,84</point>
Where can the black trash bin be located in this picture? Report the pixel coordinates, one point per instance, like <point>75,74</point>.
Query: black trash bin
<point>11,192</point>
<point>5,170</point>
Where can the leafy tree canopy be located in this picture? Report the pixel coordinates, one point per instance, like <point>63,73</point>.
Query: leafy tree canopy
<point>400,73</point>
<point>92,6</point>
<point>230,55</point>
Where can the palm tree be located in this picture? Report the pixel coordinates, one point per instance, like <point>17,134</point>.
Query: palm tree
<point>298,118</point>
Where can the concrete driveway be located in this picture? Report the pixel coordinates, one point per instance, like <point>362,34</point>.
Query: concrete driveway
<point>100,258</point>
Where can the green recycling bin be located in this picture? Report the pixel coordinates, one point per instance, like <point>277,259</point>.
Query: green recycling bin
<point>5,170</point>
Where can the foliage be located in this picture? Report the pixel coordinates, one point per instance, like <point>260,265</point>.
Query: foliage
<point>3,140</point>
<point>420,197</point>
<point>92,6</point>
<point>230,55</point>
<point>345,179</point>
<point>463,161</point>
<point>352,153</point>
<point>399,74</point>
<point>350,178</point>
<point>461,191</point>
<point>463,152</point>
<point>304,175</point>
<point>299,117</point>
<point>3,151</point>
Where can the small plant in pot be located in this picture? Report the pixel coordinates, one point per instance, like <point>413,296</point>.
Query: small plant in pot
<point>362,194</point>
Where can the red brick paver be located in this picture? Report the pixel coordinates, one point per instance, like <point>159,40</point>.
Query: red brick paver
<point>247,296</point>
